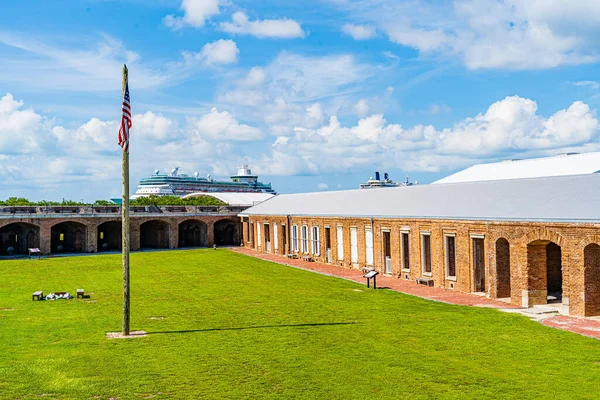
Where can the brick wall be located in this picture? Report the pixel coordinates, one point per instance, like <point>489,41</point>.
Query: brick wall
<point>516,268</point>
<point>170,237</point>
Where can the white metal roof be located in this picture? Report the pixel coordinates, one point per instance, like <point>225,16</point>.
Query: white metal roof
<point>235,198</point>
<point>561,198</point>
<point>564,164</point>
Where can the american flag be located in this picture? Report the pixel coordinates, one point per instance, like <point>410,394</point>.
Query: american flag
<point>125,121</point>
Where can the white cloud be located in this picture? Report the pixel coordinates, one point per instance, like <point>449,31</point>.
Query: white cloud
<point>255,78</point>
<point>21,130</point>
<point>195,14</point>
<point>293,79</point>
<point>359,32</point>
<point>219,52</point>
<point>422,39</point>
<point>282,117</point>
<point>509,126</point>
<point>361,108</point>
<point>249,90</point>
<point>223,126</point>
<point>315,113</point>
<point>491,34</point>
<point>243,97</point>
<point>591,84</point>
<point>84,66</point>
<point>153,126</point>
<point>100,132</point>
<point>303,78</point>
<point>435,109</point>
<point>268,28</point>
<point>41,159</point>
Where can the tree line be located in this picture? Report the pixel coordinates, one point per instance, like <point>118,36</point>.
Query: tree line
<point>141,201</point>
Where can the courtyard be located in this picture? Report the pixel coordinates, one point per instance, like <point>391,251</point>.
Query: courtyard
<point>224,325</point>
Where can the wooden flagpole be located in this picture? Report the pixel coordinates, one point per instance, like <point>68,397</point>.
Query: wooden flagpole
<point>125,229</point>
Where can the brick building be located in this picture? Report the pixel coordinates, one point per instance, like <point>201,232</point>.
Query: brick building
<point>529,241</point>
<point>88,229</point>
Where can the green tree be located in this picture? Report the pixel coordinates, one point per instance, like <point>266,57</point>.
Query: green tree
<point>176,201</point>
<point>103,203</point>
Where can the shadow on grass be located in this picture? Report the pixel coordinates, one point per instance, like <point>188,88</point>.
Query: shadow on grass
<point>252,327</point>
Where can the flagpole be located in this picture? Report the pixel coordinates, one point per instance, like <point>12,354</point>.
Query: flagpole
<point>125,229</point>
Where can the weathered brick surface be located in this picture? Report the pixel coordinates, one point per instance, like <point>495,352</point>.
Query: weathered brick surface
<point>90,224</point>
<point>515,254</point>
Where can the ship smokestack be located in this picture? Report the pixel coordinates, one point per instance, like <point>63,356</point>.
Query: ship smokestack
<point>377,175</point>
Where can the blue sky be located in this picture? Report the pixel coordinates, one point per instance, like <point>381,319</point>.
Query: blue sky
<point>314,95</point>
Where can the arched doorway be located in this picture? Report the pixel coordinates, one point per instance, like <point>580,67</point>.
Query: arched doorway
<point>226,233</point>
<point>18,237</point>
<point>110,236</point>
<point>192,233</point>
<point>68,237</point>
<point>544,272</point>
<point>502,268</point>
<point>155,235</point>
<point>591,265</point>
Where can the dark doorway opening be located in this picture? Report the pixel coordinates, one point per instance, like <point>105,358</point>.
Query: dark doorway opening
<point>387,252</point>
<point>68,237</point>
<point>284,238</point>
<point>478,265</point>
<point>226,232</point>
<point>554,272</point>
<point>17,238</point>
<point>110,236</point>
<point>591,256</point>
<point>328,244</point>
<point>155,235</point>
<point>267,237</point>
<point>192,233</point>
<point>502,268</point>
<point>544,273</point>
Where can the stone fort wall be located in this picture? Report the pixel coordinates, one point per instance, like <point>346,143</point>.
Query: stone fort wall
<point>88,226</point>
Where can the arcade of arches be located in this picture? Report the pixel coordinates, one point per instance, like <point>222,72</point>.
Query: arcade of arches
<point>99,234</point>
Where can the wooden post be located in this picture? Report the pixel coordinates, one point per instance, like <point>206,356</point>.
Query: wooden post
<point>125,229</point>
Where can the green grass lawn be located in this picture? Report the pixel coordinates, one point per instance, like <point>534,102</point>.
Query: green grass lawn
<point>223,325</point>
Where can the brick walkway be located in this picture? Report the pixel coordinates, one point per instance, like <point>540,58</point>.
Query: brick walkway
<point>582,326</point>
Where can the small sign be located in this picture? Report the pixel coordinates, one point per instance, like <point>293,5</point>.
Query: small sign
<point>371,274</point>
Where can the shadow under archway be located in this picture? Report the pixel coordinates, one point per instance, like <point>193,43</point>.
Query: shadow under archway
<point>110,236</point>
<point>68,237</point>
<point>18,237</point>
<point>502,268</point>
<point>227,232</point>
<point>544,272</point>
<point>155,234</point>
<point>193,233</point>
<point>591,276</point>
